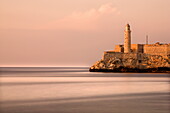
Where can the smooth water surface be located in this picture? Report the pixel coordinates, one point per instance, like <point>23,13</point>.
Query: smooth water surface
<point>75,90</point>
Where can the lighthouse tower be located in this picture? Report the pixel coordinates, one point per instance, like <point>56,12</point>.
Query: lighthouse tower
<point>127,40</point>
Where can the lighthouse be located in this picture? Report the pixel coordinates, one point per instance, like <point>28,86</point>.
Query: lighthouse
<point>127,39</point>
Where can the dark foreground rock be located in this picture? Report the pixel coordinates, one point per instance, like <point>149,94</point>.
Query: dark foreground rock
<point>134,70</point>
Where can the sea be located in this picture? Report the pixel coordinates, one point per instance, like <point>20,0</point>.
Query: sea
<point>76,90</point>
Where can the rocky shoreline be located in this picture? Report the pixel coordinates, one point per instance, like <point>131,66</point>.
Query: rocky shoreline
<point>134,70</point>
<point>130,63</point>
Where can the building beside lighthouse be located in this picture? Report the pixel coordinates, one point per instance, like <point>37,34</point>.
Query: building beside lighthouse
<point>139,56</point>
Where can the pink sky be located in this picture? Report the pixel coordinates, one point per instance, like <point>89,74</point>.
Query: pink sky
<point>75,32</point>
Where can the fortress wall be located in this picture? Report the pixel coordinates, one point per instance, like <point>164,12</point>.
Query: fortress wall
<point>119,48</point>
<point>112,60</point>
<point>134,47</point>
<point>168,50</point>
<point>137,48</point>
<point>108,55</point>
<point>140,48</point>
<point>153,49</point>
<point>130,55</point>
<point>128,59</point>
<point>117,55</point>
<point>139,60</point>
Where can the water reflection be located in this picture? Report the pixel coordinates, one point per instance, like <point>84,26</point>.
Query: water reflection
<point>84,92</point>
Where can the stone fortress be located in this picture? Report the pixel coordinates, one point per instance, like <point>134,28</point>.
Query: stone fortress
<point>134,56</point>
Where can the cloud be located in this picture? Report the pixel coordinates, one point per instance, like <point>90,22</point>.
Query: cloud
<point>107,8</point>
<point>87,20</point>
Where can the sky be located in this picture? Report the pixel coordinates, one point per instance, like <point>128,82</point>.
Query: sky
<point>75,32</point>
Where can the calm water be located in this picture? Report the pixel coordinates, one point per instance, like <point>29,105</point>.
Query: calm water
<point>75,90</point>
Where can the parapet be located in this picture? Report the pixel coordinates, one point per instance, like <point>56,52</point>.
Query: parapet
<point>157,49</point>
<point>158,44</point>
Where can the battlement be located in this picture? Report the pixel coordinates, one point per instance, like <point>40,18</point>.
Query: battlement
<point>158,44</point>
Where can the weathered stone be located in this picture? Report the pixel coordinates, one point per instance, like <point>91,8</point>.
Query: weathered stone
<point>148,61</point>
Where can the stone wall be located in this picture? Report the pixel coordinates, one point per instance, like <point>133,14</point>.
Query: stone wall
<point>113,60</point>
<point>168,50</point>
<point>157,49</point>
<point>108,55</point>
<point>128,59</point>
<point>119,48</point>
<point>137,48</point>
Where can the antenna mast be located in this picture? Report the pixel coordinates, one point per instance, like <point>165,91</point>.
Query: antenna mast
<point>146,39</point>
